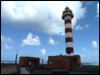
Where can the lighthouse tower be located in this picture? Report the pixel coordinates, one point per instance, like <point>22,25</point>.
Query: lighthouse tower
<point>67,16</point>
<point>68,61</point>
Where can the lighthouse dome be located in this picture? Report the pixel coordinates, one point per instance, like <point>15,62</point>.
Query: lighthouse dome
<point>66,12</point>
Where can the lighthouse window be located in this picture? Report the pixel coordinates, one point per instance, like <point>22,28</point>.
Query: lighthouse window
<point>68,17</point>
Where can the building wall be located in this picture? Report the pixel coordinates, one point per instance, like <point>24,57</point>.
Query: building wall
<point>63,62</point>
<point>24,61</point>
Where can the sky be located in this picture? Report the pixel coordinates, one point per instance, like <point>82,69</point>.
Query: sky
<point>36,29</point>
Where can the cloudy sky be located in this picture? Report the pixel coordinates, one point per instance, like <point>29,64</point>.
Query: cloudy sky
<point>36,29</point>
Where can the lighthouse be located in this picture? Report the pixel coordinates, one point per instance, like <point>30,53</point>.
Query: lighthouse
<point>67,16</point>
<point>69,61</point>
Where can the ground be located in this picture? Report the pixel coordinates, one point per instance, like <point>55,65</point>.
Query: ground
<point>8,69</point>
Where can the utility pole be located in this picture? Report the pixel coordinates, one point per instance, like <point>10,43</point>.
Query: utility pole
<point>16,57</point>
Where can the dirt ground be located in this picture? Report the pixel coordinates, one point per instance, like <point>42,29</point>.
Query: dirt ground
<point>9,69</point>
<point>12,69</point>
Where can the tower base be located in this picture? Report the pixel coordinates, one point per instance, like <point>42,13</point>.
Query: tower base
<point>64,62</point>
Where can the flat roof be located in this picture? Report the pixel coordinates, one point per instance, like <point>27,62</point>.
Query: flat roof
<point>64,56</point>
<point>29,57</point>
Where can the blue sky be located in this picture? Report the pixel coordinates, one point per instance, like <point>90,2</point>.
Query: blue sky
<point>36,29</point>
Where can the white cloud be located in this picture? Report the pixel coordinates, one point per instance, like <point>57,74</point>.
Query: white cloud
<point>78,27</point>
<point>6,39</point>
<point>98,9</point>
<point>31,40</point>
<point>2,37</point>
<point>98,43</point>
<point>88,2</point>
<point>89,55</point>
<point>8,47</point>
<point>44,16</point>
<point>43,51</point>
<point>87,25</point>
<point>52,41</point>
<point>94,44</point>
<point>89,52</point>
<point>84,49</point>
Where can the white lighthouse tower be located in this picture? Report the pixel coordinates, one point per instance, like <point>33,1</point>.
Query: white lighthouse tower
<point>67,16</point>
